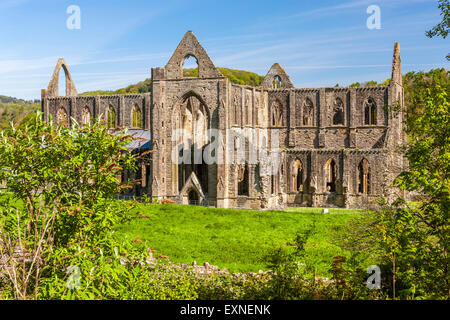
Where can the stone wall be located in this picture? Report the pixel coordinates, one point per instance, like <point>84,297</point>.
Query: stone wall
<point>322,128</point>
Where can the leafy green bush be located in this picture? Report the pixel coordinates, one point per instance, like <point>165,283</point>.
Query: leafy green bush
<point>59,208</point>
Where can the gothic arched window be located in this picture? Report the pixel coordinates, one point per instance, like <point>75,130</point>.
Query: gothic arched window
<point>364,177</point>
<point>243,180</point>
<point>370,112</point>
<point>338,112</point>
<point>111,118</point>
<point>297,176</point>
<point>136,117</point>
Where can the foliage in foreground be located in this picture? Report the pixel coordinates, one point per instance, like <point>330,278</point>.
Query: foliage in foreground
<point>63,178</point>
<point>411,241</point>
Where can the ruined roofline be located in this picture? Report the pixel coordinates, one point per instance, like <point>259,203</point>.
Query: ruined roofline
<point>105,96</point>
<point>362,88</point>
<point>380,150</point>
<point>190,46</point>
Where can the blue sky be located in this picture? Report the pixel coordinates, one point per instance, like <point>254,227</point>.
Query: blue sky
<point>319,43</point>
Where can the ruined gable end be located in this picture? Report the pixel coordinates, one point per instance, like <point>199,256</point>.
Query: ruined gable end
<point>277,78</point>
<point>189,46</point>
<point>53,86</point>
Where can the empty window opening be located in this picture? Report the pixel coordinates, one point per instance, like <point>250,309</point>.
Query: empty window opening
<point>370,112</point>
<point>136,117</point>
<point>276,83</point>
<point>111,118</point>
<point>62,83</point>
<point>193,197</point>
<point>364,177</point>
<point>297,176</point>
<point>330,172</point>
<point>243,180</point>
<point>338,112</point>
<point>190,67</point>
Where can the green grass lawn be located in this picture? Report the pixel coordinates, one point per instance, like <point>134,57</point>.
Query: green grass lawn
<point>238,240</point>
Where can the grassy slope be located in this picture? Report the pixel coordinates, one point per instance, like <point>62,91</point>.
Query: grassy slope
<point>239,240</point>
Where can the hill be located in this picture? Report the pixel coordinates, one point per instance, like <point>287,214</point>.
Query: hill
<point>235,76</point>
<point>16,110</point>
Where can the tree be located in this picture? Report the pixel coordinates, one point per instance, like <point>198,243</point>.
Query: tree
<point>58,208</point>
<point>416,237</point>
<point>442,28</point>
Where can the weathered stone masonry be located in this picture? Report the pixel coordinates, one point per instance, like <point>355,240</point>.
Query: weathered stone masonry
<point>338,145</point>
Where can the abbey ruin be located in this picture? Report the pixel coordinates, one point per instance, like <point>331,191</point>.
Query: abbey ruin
<point>334,147</point>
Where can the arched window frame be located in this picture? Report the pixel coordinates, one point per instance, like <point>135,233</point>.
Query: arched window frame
<point>136,117</point>
<point>308,113</point>
<point>111,117</point>
<point>297,175</point>
<point>338,112</point>
<point>187,57</point>
<point>244,180</point>
<point>364,178</point>
<point>370,112</point>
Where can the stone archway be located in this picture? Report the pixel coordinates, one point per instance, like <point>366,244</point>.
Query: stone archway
<point>53,86</point>
<point>191,119</point>
<point>193,197</point>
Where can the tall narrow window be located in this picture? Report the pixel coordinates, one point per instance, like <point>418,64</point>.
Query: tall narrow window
<point>276,115</point>
<point>243,180</point>
<point>364,177</point>
<point>297,176</point>
<point>62,118</point>
<point>111,118</point>
<point>136,117</point>
<point>308,111</point>
<point>85,116</point>
<point>370,112</point>
<point>338,112</point>
<point>330,175</point>
<point>272,184</point>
